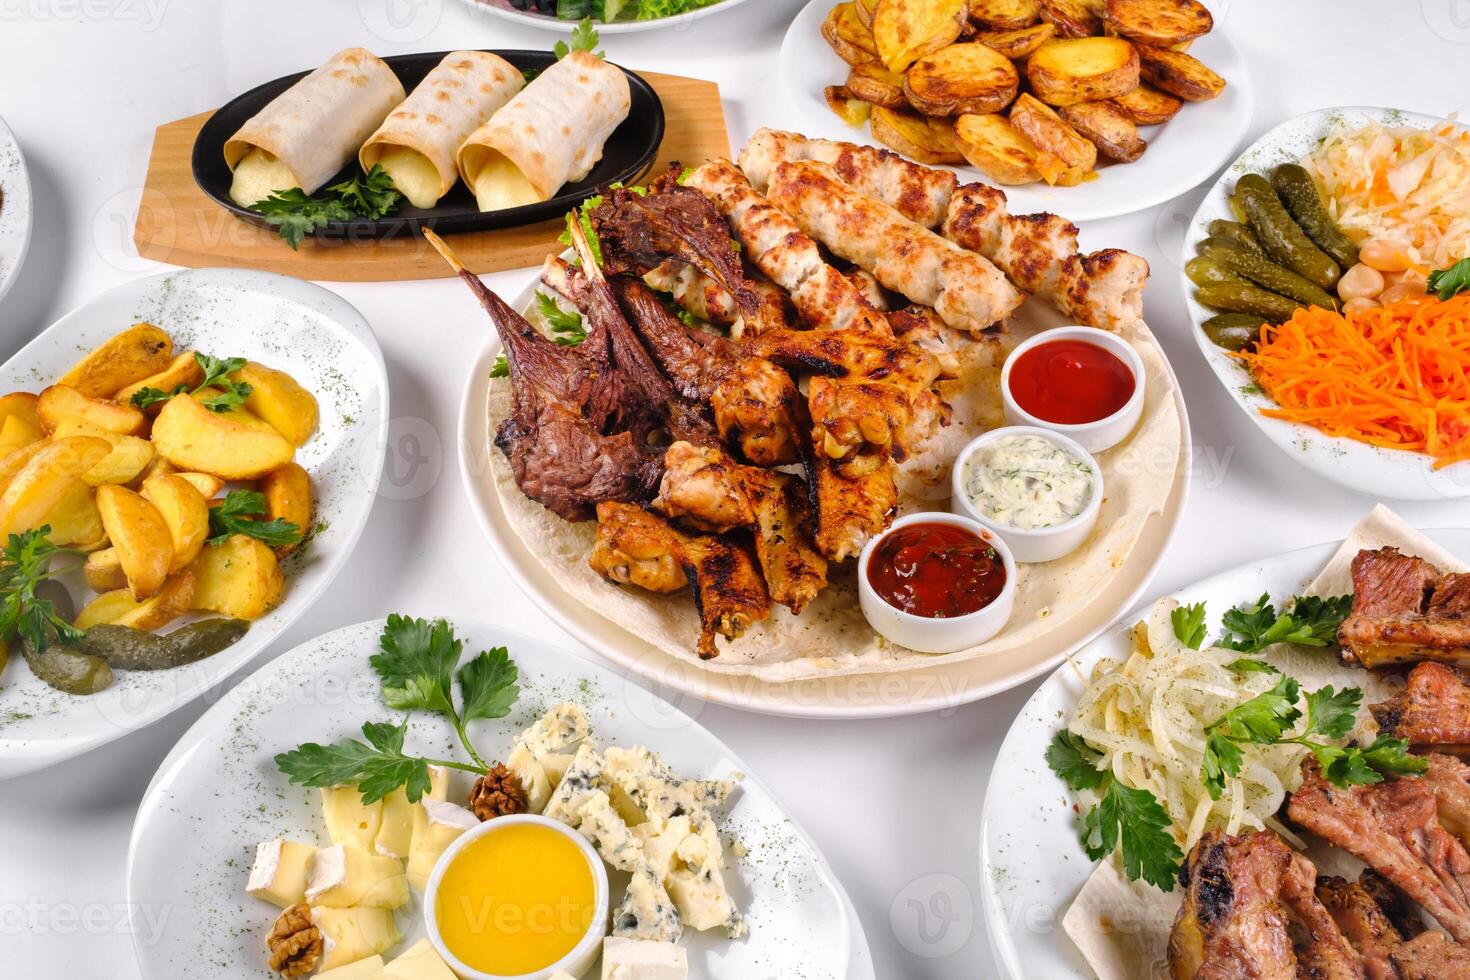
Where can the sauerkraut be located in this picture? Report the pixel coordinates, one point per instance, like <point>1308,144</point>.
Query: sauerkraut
<point>1400,184</point>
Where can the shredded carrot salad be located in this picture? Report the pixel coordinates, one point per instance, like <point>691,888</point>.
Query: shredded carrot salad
<point>1396,376</point>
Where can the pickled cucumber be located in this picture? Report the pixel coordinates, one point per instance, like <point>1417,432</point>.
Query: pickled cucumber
<point>1299,193</point>
<point>1280,236</point>
<point>130,649</point>
<point>1202,270</point>
<point>65,668</point>
<point>1233,331</point>
<point>1246,298</point>
<point>1263,272</point>
<point>1234,231</point>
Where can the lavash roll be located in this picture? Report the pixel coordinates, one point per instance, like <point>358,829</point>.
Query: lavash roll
<point>310,131</point>
<point>418,141</point>
<point>550,134</point>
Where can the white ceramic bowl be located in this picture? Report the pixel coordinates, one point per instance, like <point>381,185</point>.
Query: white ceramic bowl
<point>926,634</point>
<point>1030,544</point>
<point>1092,436</point>
<point>580,959</point>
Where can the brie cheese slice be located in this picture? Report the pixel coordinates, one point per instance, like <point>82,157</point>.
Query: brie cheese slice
<point>368,969</point>
<point>279,873</point>
<point>436,827</point>
<point>349,820</point>
<point>641,959</point>
<point>395,831</point>
<point>349,935</point>
<point>344,875</point>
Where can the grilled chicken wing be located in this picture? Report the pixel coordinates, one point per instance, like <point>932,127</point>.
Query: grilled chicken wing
<point>728,590</point>
<point>634,548</point>
<point>849,510</point>
<point>706,489</point>
<point>1233,925</point>
<point>1404,610</point>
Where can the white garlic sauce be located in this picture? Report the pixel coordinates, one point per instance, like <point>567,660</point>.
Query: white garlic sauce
<point>1027,482</point>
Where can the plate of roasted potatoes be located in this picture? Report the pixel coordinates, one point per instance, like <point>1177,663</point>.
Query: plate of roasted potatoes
<point>186,462</point>
<point>1101,107</point>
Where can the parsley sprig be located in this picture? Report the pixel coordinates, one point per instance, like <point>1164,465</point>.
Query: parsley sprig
<point>26,564</point>
<point>566,329</point>
<point>240,514</point>
<point>1446,283</point>
<point>1269,718</point>
<point>1129,820</point>
<point>1305,620</point>
<point>418,665</point>
<point>217,371</point>
<point>584,38</point>
<point>295,214</point>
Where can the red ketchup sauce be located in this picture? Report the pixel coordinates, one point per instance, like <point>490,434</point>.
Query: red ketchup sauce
<point>1070,382</point>
<point>936,570</point>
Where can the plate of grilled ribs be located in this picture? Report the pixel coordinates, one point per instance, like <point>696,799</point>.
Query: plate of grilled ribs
<point>684,436</point>
<point>1262,775</point>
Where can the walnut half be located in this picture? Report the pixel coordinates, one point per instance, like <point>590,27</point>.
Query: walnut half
<point>295,943</point>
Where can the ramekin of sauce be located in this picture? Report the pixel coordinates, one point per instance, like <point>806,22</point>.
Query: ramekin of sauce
<point>937,583</point>
<point>1083,382</point>
<point>517,898</point>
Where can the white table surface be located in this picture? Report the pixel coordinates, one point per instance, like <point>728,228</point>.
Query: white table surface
<point>894,804</point>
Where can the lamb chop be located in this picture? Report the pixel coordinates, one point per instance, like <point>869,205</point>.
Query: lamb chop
<point>1394,828</point>
<point>1323,953</point>
<point>1405,610</point>
<point>632,544</point>
<point>1233,923</point>
<point>754,402</point>
<point>1432,711</point>
<point>1400,911</point>
<point>565,401</point>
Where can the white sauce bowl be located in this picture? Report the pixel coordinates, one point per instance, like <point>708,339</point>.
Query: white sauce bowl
<point>1093,436</point>
<point>926,634</point>
<point>582,956</point>
<point>1030,544</point>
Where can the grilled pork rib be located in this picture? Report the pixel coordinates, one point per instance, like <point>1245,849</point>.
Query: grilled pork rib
<point>1233,923</point>
<point>1364,923</point>
<point>1432,711</point>
<point>1405,610</point>
<point>1431,956</point>
<point>1324,953</point>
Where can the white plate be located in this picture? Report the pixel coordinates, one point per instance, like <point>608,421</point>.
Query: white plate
<point>851,696</point>
<point>301,328</point>
<point>1370,470</point>
<point>503,10</point>
<point>1031,864</point>
<point>1182,153</point>
<point>218,793</point>
<point>15,209</point>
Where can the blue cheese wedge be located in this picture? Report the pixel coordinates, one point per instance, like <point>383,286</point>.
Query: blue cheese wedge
<point>345,875</point>
<point>582,779</point>
<point>532,777</point>
<point>642,959</point>
<point>602,825</point>
<point>419,962</point>
<point>558,730</point>
<point>279,873</point>
<point>646,911</point>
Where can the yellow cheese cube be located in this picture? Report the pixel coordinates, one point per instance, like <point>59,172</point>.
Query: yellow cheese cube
<point>349,935</point>
<point>279,873</point>
<point>437,825</point>
<point>349,820</point>
<point>395,832</point>
<point>420,962</point>
<point>368,969</point>
<point>345,875</point>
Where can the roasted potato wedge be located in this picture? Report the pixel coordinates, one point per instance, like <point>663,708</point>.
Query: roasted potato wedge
<point>288,497</point>
<point>22,404</point>
<point>848,35</point>
<point>63,401</point>
<point>1051,134</point>
<point>120,608</point>
<point>1162,23</point>
<point>16,459</point>
<point>1072,18</point>
<point>48,489</point>
<point>906,30</point>
<point>1089,69</point>
<point>853,111</point>
<point>137,352</point>
<point>234,445</point>
<point>914,136</point>
<point>1005,15</point>
<point>997,149</point>
<point>130,454</point>
<point>239,578</point>
<point>141,536</point>
<point>185,511</point>
<point>17,431</point>
<point>106,607</point>
<point>962,78</point>
<point>75,520</point>
<point>1019,43</point>
<point>280,400</point>
<point>104,572</point>
<point>1109,129</point>
<point>874,83</point>
<point>1181,75</point>
<point>1147,106</point>
<point>207,484</point>
<point>182,370</point>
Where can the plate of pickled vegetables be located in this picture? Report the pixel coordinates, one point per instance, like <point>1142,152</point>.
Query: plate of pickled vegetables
<point>1327,274</point>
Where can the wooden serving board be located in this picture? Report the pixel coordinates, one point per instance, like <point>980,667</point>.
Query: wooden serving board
<point>179,225</point>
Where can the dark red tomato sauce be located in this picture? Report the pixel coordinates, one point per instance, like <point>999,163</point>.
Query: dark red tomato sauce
<point>936,570</point>
<point>1070,382</point>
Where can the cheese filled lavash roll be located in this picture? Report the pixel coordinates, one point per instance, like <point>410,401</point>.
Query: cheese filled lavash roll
<point>418,141</point>
<point>550,134</point>
<point>310,131</point>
